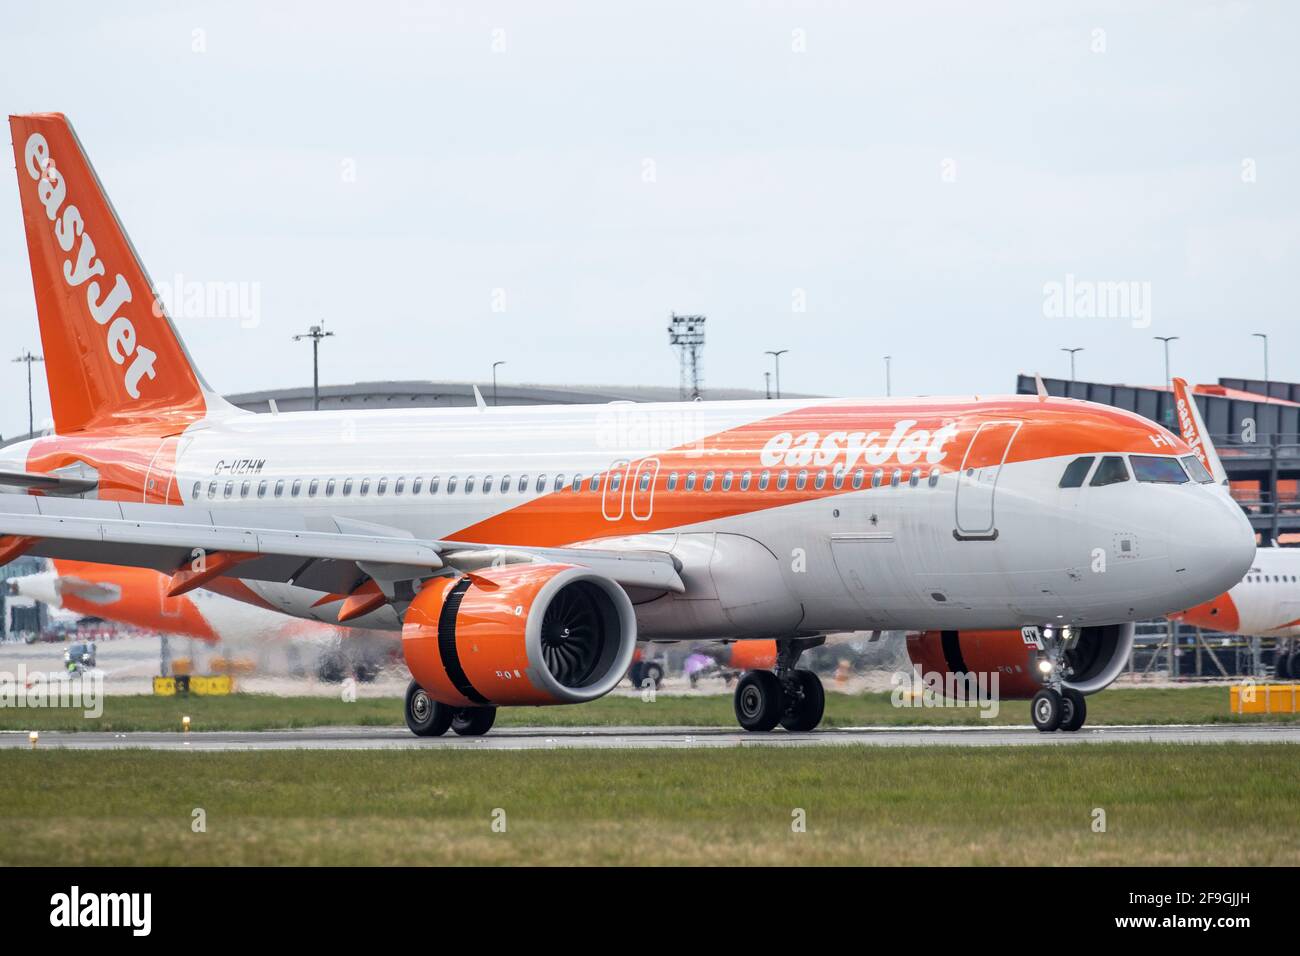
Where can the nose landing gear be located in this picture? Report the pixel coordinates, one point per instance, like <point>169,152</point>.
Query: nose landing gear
<point>793,698</point>
<point>1057,707</point>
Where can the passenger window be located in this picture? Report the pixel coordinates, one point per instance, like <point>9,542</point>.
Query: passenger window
<point>433,485</point>
<point>329,488</point>
<point>381,486</point>
<point>261,488</point>
<point>672,482</point>
<point>487,484</point>
<point>801,480</point>
<point>505,484</point>
<point>764,480</point>
<point>541,484</point>
<point>782,480</point>
<point>1197,470</point>
<point>451,485</point>
<point>690,481</point>
<point>595,482</point>
<point>365,487</point>
<point>197,486</point>
<point>727,479</point>
<point>615,481</point>
<point>416,484</point>
<point>645,481</point>
<point>839,478</point>
<point>469,484</point>
<point>895,478</point>
<point>313,488</point>
<point>745,480</point>
<point>877,478</point>
<point>859,477</point>
<point>398,485</point>
<point>1157,470</point>
<point>212,489</point>
<point>523,484</point>
<point>279,488</point>
<point>559,483</point>
<point>934,477</point>
<point>347,487</point>
<point>1075,472</point>
<point>244,489</point>
<point>230,486</point>
<point>708,481</point>
<point>820,481</point>
<point>297,486</point>
<point>1112,470</point>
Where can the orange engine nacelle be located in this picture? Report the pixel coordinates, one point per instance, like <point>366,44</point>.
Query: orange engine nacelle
<point>528,634</point>
<point>753,655</point>
<point>1094,657</point>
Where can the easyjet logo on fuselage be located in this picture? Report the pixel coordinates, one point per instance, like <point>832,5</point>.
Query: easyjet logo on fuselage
<point>904,444</point>
<point>69,226</point>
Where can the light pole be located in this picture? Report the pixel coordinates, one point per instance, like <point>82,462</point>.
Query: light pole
<point>29,358</point>
<point>776,357</point>
<point>494,381</point>
<point>888,385</point>
<point>767,383</point>
<point>315,333</point>
<point>1166,339</point>
<point>1078,348</point>
<point>1264,336</point>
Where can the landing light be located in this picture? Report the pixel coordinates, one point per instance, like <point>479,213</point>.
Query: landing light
<point>1045,666</point>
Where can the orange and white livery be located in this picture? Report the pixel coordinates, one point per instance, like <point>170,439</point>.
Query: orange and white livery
<point>523,551</point>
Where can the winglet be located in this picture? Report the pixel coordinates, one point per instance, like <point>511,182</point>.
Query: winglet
<point>478,399</point>
<point>1192,427</point>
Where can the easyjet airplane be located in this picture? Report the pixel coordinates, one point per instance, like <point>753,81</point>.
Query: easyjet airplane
<point>138,596</point>
<point>522,551</point>
<point>1264,603</point>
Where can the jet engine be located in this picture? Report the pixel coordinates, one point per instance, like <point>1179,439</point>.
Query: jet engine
<point>529,634</point>
<point>1094,657</point>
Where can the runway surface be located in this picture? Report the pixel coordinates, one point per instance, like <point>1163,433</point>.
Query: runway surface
<point>637,738</point>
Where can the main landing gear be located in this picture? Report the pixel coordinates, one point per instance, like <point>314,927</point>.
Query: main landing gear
<point>792,698</point>
<point>427,718</point>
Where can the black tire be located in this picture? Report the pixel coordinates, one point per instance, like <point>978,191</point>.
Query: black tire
<point>1293,665</point>
<point>804,710</point>
<point>1046,710</point>
<point>1281,665</point>
<point>331,668</point>
<point>425,716</point>
<point>653,672</point>
<point>758,701</point>
<point>1074,710</point>
<point>634,674</point>
<point>473,721</point>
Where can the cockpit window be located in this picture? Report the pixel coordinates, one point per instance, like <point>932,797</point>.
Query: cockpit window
<point>1157,470</point>
<point>1109,472</point>
<point>1198,471</point>
<point>1076,471</point>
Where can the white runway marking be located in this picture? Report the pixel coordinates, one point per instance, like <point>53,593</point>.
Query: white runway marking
<point>637,738</point>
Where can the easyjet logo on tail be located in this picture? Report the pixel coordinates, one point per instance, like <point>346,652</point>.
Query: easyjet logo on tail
<point>82,267</point>
<point>904,443</point>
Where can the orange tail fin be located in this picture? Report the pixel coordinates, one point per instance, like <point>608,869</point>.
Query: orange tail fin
<point>112,356</point>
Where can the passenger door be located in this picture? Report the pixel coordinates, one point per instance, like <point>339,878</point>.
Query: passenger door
<point>977,484</point>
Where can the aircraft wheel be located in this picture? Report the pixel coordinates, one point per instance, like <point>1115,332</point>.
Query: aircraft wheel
<point>1282,666</point>
<point>1046,710</point>
<point>473,721</point>
<point>1074,710</point>
<point>804,708</point>
<point>758,701</point>
<point>424,715</point>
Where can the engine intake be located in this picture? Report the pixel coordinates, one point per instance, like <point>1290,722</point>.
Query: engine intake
<point>525,634</point>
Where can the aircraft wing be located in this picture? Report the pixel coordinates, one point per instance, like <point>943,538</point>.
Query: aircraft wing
<point>327,557</point>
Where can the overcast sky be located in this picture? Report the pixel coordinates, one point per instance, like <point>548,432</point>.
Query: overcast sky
<point>448,185</point>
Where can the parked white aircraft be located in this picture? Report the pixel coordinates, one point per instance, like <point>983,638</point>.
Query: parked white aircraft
<point>522,550</point>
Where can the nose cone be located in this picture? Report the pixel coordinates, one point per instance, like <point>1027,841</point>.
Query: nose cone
<point>1213,547</point>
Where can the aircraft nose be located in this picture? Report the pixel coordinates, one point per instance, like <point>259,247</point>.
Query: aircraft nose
<point>1214,545</point>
